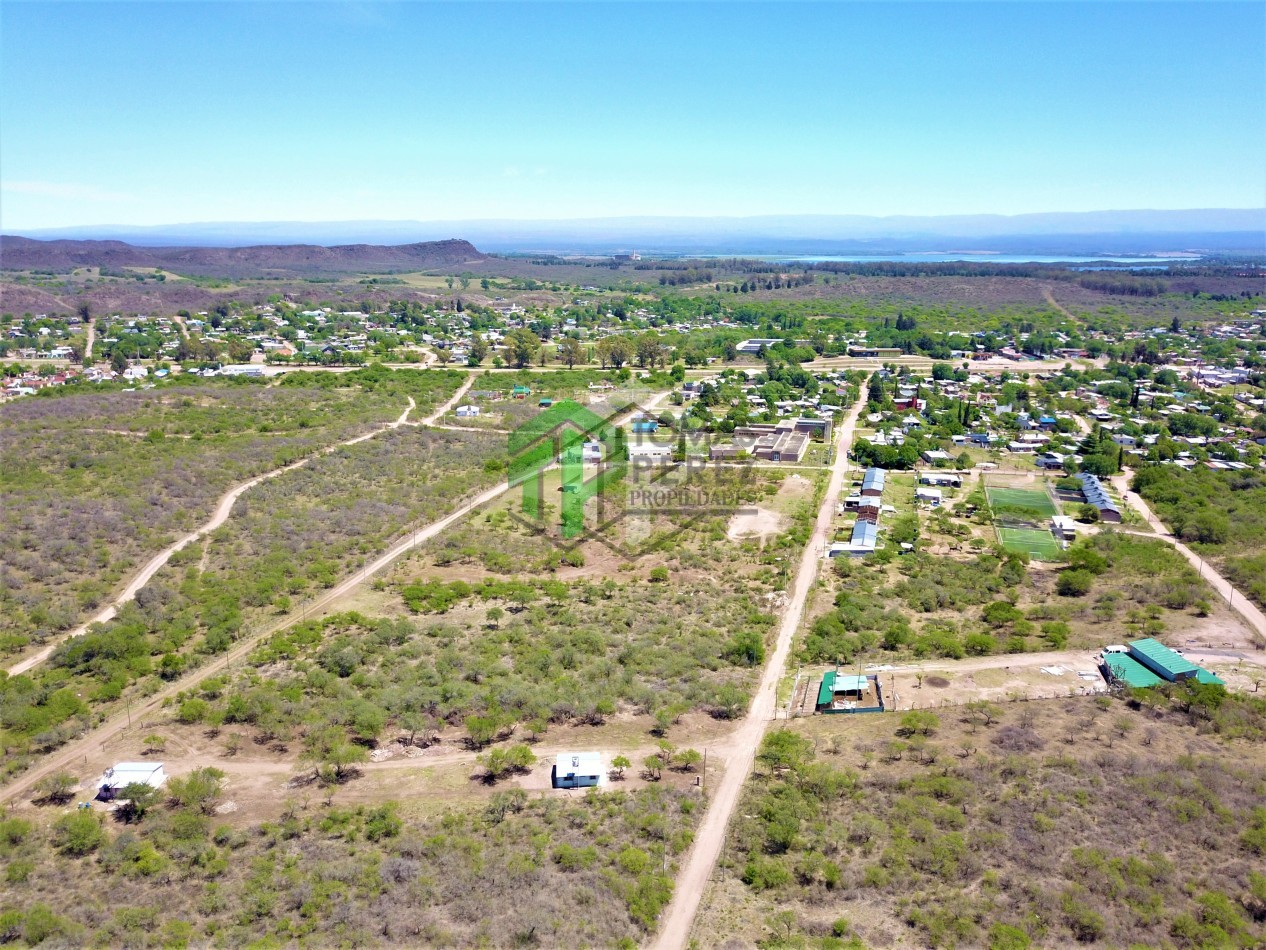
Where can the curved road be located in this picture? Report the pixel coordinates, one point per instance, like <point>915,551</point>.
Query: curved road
<point>678,918</point>
<point>223,508</point>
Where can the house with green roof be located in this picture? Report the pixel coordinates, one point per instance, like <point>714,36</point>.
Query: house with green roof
<point>1162,661</point>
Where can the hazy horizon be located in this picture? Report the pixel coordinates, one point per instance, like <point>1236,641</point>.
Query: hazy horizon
<point>440,112</point>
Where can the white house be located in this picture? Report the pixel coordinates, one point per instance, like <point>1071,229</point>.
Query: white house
<point>115,779</point>
<point>650,453</point>
<point>467,412</point>
<point>577,769</point>
<point>928,496</point>
<point>1063,527</point>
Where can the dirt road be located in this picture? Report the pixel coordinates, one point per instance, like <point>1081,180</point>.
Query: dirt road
<point>678,918</point>
<point>118,723</point>
<point>1234,598</point>
<point>464,388</point>
<point>112,727</point>
<point>223,508</point>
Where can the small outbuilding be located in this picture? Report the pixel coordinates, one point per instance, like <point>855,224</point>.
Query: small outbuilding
<point>115,779</point>
<point>577,769</point>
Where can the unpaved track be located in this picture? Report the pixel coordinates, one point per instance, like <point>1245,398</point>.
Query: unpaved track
<point>677,920</point>
<point>1245,607</point>
<point>1050,299</point>
<point>112,727</point>
<point>464,388</point>
<point>223,508</point>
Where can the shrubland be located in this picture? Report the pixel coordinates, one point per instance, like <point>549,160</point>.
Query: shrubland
<point>96,483</point>
<point>289,539</point>
<point>1221,514</point>
<point>519,871</point>
<point>1111,585</point>
<point>1134,820</point>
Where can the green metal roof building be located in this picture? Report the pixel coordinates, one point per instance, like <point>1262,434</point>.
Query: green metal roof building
<point>1162,661</point>
<point>826,692</point>
<point>1130,671</point>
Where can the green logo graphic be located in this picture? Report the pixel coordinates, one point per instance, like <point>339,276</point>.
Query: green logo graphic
<point>587,451</point>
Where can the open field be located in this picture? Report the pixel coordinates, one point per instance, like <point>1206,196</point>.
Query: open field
<point>296,536</point>
<point>517,867</point>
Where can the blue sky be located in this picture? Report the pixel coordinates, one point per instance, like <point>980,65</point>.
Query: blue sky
<point>138,113</point>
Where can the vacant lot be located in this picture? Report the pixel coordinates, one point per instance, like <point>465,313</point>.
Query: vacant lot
<point>96,483</point>
<point>514,871</point>
<point>1112,588</point>
<point>1087,821</point>
<point>292,537</point>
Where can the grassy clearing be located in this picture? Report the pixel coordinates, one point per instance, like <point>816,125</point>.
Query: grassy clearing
<point>1091,821</point>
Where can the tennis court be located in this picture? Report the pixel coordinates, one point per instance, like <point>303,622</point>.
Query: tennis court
<point>1037,543</point>
<point>1020,500</point>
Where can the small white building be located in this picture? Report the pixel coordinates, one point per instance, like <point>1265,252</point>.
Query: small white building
<point>115,779</point>
<point>577,769</point>
<point>928,496</point>
<point>650,453</point>
<point>1063,527</point>
<point>467,412</point>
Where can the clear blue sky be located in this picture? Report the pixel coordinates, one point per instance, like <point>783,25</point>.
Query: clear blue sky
<point>136,113</point>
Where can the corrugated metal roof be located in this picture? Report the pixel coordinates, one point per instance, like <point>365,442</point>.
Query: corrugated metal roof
<point>865,533</point>
<point>1130,671</point>
<point>1095,493</point>
<point>826,692</point>
<point>851,684</point>
<point>1156,655</point>
<point>873,479</point>
<point>1204,676</point>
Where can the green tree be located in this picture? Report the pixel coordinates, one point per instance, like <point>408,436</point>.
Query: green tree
<point>78,833</point>
<point>56,789</point>
<point>619,351</point>
<point>524,345</point>
<point>200,790</point>
<point>570,351</point>
<point>919,722</point>
<point>139,798</point>
<point>1074,583</point>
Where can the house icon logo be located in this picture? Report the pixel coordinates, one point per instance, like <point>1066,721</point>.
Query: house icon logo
<point>583,479</point>
<point>570,444</point>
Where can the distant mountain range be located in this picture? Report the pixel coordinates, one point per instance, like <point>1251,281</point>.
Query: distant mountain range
<point>257,260</point>
<point>1226,230</point>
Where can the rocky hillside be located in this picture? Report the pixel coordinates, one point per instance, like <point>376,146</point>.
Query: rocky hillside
<point>19,253</point>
